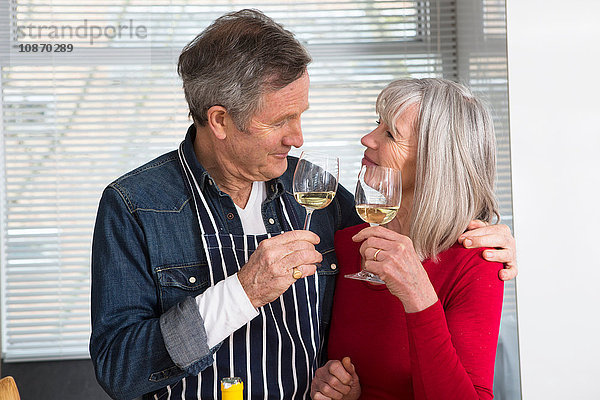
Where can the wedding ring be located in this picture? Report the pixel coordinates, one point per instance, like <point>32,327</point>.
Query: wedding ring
<point>297,274</point>
<point>375,255</point>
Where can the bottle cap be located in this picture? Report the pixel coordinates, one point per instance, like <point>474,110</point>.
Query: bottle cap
<point>233,383</point>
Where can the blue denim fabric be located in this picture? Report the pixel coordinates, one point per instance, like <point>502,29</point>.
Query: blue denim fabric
<point>147,332</point>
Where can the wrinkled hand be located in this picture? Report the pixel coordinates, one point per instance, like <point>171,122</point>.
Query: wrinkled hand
<point>398,265</point>
<point>336,380</point>
<point>480,234</point>
<point>268,272</point>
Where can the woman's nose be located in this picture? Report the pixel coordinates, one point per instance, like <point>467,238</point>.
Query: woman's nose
<point>369,140</point>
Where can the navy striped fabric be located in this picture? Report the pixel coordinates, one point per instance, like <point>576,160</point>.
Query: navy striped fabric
<point>276,353</point>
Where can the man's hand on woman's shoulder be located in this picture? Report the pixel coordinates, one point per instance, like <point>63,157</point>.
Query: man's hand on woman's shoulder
<point>480,234</point>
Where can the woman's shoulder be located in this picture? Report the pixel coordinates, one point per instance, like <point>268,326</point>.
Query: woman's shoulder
<point>469,262</point>
<point>462,274</point>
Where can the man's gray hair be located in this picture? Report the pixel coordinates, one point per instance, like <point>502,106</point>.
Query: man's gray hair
<point>237,59</point>
<point>456,159</point>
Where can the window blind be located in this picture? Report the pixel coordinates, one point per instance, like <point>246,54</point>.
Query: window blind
<point>72,121</point>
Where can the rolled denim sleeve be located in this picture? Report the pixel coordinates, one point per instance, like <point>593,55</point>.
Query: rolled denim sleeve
<point>185,338</point>
<point>134,349</point>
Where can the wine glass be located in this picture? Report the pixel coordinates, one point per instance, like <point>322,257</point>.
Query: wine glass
<point>315,182</point>
<point>377,200</point>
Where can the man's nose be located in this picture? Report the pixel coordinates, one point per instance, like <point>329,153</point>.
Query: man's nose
<point>294,135</point>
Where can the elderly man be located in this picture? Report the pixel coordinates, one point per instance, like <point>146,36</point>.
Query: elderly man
<point>199,269</point>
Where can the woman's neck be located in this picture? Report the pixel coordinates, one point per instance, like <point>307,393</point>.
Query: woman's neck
<point>401,224</point>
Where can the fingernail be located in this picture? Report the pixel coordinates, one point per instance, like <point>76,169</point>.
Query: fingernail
<point>489,254</point>
<point>468,242</point>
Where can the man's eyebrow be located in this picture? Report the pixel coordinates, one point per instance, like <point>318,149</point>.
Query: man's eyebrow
<point>288,116</point>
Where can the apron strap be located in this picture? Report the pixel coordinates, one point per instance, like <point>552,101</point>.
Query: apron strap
<point>205,217</point>
<point>289,214</point>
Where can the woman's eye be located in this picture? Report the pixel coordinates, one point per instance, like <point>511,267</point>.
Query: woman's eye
<point>378,122</point>
<point>389,134</point>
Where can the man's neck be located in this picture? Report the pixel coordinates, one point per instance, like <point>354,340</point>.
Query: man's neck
<point>221,171</point>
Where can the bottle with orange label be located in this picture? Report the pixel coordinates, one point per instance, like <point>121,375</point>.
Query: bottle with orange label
<point>232,388</point>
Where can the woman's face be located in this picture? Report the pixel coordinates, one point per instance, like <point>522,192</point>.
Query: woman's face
<point>398,151</point>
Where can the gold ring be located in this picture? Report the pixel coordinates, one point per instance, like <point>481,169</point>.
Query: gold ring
<point>297,274</point>
<point>375,255</point>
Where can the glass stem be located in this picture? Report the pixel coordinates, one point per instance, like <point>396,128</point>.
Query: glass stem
<point>309,212</point>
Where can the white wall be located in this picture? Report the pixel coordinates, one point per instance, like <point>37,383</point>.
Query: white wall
<point>554,92</point>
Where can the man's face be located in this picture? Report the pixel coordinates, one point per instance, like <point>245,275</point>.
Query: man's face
<point>259,154</point>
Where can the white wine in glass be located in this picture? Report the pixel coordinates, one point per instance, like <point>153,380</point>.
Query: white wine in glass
<point>377,200</point>
<point>314,200</point>
<point>376,213</point>
<point>315,182</point>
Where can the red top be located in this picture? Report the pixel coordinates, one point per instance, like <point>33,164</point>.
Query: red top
<point>446,351</point>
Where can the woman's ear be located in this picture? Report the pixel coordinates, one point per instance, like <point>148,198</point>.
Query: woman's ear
<point>219,121</point>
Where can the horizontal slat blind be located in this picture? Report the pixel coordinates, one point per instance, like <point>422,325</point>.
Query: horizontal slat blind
<point>65,138</point>
<point>73,122</point>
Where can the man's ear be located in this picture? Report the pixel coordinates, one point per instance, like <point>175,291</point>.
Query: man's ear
<point>219,121</point>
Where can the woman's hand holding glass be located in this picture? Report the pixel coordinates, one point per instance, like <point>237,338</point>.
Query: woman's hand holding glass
<point>398,265</point>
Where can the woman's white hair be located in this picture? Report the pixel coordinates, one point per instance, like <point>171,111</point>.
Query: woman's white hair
<point>456,159</point>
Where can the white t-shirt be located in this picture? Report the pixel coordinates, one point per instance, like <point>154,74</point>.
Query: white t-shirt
<point>225,307</point>
<point>251,215</point>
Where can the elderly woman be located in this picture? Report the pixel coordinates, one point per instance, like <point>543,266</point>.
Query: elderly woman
<point>431,331</point>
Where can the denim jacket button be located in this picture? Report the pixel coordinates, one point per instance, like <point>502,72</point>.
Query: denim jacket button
<point>192,279</point>
<point>230,216</point>
<point>271,221</point>
<point>333,266</point>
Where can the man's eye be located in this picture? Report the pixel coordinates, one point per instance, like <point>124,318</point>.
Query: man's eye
<point>378,122</point>
<point>389,134</point>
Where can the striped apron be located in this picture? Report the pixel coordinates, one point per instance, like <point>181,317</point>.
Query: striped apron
<point>276,353</point>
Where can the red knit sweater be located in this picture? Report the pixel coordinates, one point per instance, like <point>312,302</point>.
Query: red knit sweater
<point>446,351</point>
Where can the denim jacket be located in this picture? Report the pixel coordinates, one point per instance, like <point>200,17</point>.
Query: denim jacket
<point>148,265</point>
